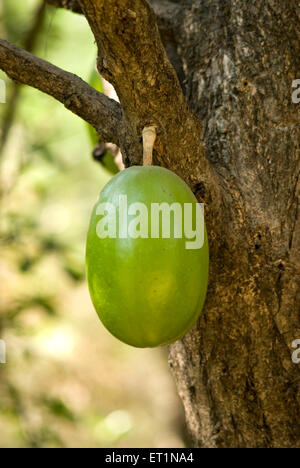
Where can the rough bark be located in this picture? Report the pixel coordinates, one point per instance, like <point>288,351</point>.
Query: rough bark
<point>238,146</point>
<point>234,370</point>
<point>148,89</point>
<point>165,11</point>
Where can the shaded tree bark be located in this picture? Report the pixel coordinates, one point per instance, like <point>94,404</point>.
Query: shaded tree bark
<point>234,370</point>
<point>237,144</point>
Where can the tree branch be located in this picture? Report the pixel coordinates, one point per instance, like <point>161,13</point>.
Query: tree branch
<point>165,11</point>
<point>102,113</point>
<point>166,16</point>
<point>131,56</point>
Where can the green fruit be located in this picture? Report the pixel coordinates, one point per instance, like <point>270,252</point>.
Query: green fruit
<point>147,291</point>
<point>107,159</point>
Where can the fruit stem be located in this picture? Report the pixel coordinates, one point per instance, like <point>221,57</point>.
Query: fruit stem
<point>149,137</point>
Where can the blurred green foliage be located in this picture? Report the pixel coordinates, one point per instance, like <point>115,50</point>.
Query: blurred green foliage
<point>67,382</point>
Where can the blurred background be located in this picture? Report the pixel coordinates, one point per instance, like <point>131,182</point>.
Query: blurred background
<point>67,382</point>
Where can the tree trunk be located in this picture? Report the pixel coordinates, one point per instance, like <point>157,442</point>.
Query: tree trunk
<point>234,371</point>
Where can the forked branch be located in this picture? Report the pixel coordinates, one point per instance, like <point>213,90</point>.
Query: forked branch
<point>132,57</point>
